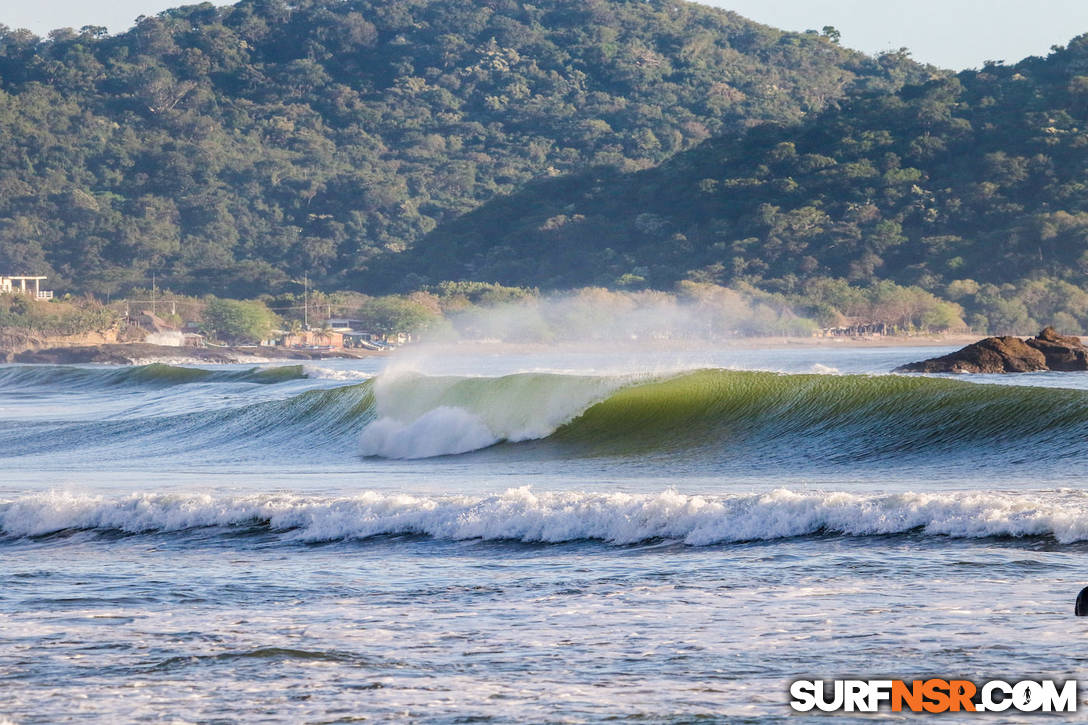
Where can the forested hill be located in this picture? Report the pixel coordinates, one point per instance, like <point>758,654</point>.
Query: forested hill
<point>231,149</point>
<point>952,185</point>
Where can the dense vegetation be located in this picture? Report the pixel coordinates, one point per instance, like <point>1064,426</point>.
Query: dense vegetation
<point>238,321</point>
<point>233,149</point>
<point>474,311</point>
<point>19,312</point>
<point>386,146</point>
<point>970,187</point>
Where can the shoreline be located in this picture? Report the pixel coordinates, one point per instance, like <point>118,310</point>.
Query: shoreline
<point>144,353</point>
<point>494,347</point>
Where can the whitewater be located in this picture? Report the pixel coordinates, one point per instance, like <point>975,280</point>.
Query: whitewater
<point>573,536</point>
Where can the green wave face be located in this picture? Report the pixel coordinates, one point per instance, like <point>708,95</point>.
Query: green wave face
<point>827,417</point>
<point>719,414</point>
<point>154,374</point>
<point>163,374</point>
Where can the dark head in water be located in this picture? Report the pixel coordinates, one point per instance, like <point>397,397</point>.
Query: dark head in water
<point>1081,609</point>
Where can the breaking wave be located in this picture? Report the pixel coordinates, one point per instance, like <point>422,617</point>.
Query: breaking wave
<point>825,417</point>
<point>555,517</point>
<point>714,416</point>
<point>420,417</point>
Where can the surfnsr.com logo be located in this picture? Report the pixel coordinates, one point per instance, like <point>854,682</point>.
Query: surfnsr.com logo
<point>933,695</point>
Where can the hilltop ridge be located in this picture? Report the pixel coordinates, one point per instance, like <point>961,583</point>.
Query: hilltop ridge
<point>970,187</point>
<point>231,149</point>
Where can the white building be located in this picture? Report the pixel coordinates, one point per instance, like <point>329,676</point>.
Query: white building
<point>7,284</point>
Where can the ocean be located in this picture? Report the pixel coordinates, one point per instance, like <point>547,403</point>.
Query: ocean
<point>467,535</point>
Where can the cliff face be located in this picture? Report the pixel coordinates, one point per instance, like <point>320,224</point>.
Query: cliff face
<point>1046,351</point>
<point>16,340</point>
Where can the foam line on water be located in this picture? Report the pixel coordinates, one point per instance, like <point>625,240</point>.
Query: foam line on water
<point>323,373</point>
<point>521,514</point>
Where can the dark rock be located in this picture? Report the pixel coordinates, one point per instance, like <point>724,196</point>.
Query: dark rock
<point>72,356</point>
<point>1047,351</point>
<point>1062,352</point>
<point>118,354</point>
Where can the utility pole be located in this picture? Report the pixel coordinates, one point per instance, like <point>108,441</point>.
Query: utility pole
<point>306,300</point>
<point>152,293</point>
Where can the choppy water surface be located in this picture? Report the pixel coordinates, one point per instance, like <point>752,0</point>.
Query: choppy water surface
<point>570,537</point>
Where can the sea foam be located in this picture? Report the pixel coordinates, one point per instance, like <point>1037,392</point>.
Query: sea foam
<point>521,514</point>
<point>323,373</point>
<point>421,416</point>
<point>443,431</point>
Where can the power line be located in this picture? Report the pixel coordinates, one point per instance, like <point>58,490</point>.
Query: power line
<point>336,305</point>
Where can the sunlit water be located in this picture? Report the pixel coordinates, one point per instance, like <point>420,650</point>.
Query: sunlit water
<point>213,549</point>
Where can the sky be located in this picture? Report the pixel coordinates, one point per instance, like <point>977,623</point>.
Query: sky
<point>953,34</point>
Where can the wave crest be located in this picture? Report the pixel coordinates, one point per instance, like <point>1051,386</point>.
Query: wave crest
<point>711,413</point>
<point>420,417</point>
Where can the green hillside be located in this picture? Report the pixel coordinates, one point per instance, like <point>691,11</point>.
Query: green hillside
<point>232,149</point>
<point>972,187</point>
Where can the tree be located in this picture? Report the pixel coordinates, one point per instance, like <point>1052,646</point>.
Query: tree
<point>238,321</point>
<point>393,314</point>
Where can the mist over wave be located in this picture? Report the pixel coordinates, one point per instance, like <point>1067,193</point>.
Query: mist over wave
<point>554,517</point>
<point>697,313</point>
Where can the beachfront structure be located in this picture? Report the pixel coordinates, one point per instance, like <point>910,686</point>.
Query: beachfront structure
<point>856,327</point>
<point>343,324</point>
<point>7,284</point>
<point>313,339</point>
<point>355,334</point>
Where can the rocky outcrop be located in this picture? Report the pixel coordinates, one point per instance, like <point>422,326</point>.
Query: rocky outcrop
<point>1046,351</point>
<point>110,354</point>
<point>1063,352</point>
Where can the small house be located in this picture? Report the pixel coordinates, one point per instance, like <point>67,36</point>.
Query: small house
<point>313,338</point>
<point>343,324</point>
